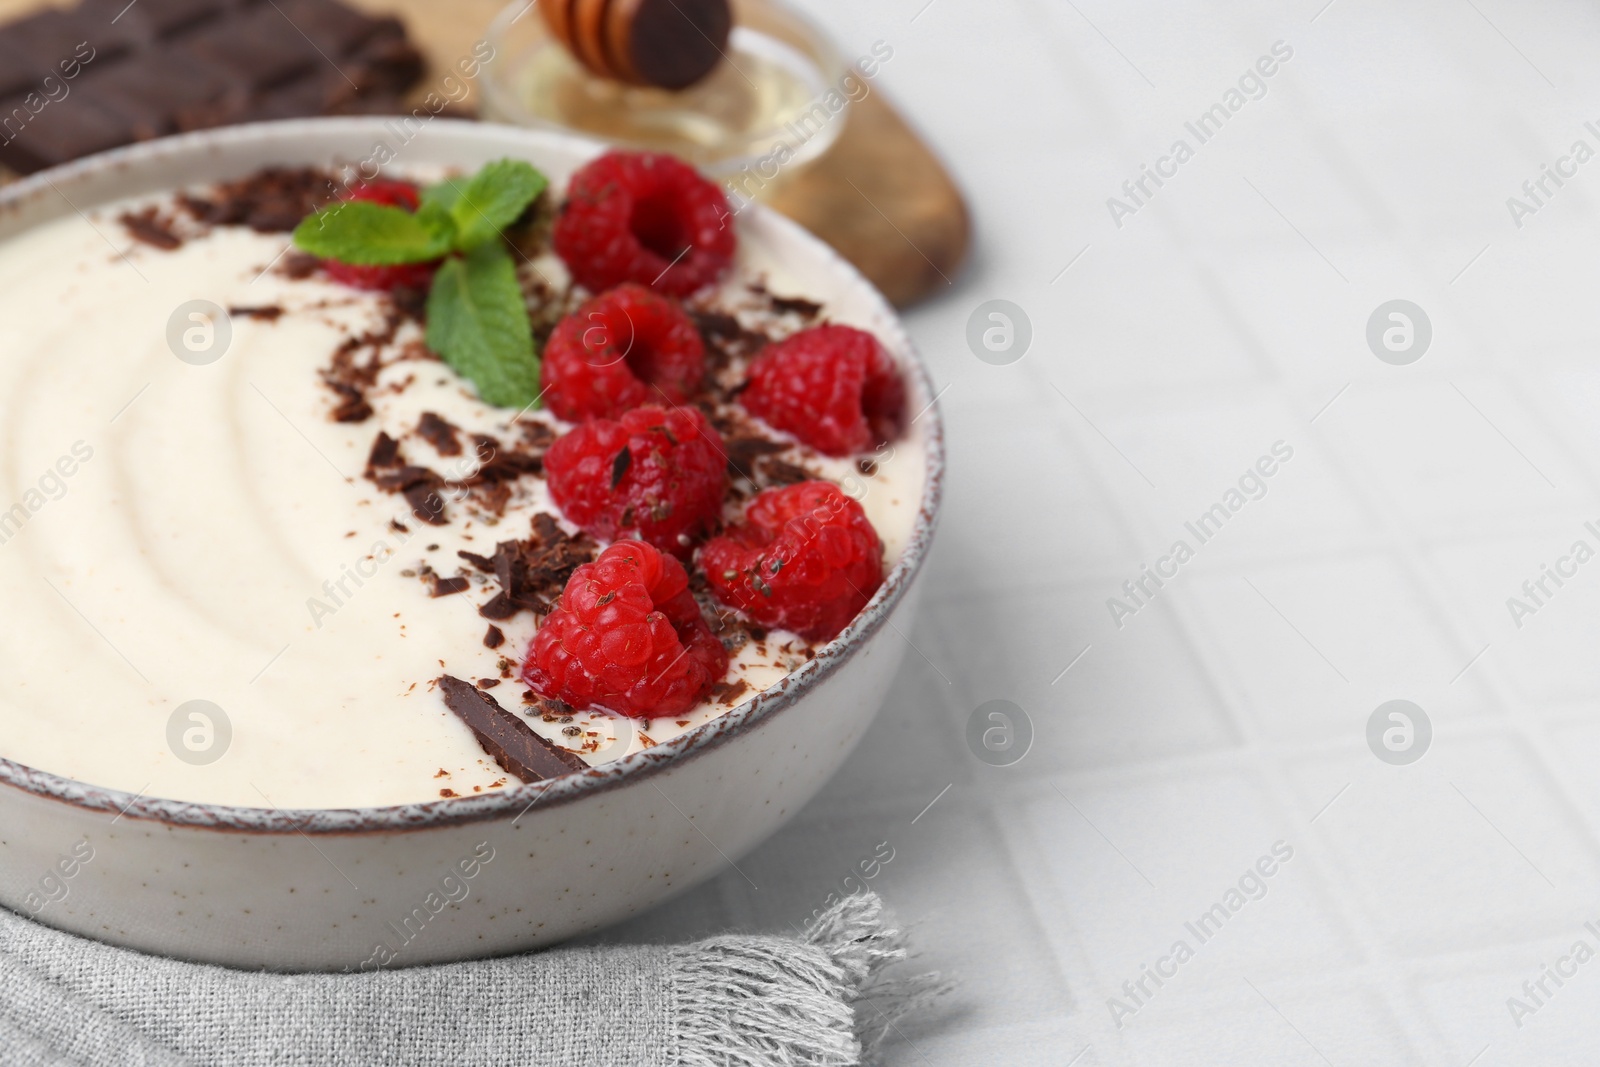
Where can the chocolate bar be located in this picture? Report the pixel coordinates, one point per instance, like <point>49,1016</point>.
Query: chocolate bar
<point>111,72</point>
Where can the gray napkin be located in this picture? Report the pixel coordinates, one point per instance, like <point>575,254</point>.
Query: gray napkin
<point>733,1001</point>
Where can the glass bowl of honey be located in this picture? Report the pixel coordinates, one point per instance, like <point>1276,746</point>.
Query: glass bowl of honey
<point>778,99</point>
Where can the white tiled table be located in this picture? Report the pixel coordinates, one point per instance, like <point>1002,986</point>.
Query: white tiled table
<point>1227,314</point>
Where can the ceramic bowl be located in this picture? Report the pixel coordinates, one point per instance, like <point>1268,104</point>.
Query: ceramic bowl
<point>351,888</point>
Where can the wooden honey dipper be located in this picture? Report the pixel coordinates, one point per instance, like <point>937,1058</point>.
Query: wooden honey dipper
<point>669,44</point>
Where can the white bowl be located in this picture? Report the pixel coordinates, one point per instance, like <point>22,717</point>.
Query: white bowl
<point>332,889</point>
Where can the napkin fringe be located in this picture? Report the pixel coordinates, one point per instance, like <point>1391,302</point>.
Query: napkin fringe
<point>745,1002</point>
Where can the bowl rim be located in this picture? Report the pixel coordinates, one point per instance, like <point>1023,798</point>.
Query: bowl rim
<point>518,801</point>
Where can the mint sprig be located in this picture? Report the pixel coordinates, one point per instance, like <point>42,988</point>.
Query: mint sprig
<point>376,235</point>
<point>493,199</point>
<point>477,317</point>
<point>478,322</point>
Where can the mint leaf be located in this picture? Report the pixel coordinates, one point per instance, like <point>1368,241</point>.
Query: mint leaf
<point>361,232</point>
<point>443,195</point>
<point>478,323</point>
<point>490,200</point>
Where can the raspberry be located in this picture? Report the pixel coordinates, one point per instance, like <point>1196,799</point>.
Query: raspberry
<point>834,387</point>
<point>647,218</point>
<point>365,276</point>
<point>387,191</point>
<point>628,637</point>
<point>805,560</point>
<point>417,276</point>
<point>658,475</point>
<point>619,350</point>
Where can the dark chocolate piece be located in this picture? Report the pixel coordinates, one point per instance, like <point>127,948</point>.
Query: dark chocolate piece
<point>150,228</point>
<point>426,503</point>
<point>449,586</point>
<point>510,741</point>
<point>263,48</point>
<point>19,72</point>
<point>440,433</point>
<point>110,72</point>
<point>32,137</point>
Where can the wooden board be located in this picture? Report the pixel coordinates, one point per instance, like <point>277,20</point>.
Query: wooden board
<point>880,196</point>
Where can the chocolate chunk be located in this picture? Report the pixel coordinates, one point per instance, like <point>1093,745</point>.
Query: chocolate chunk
<point>39,134</point>
<point>263,48</point>
<point>163,17</point>
<point>336,30</point>
<point>352,406</point>
<point>499,608</point>
<point>52,36</point>
<point>19,72</point>
<point>149,227</point>
<point>441,434</point>
<point>448,586</point>
<point>400,479</point>
<point>483,563</point>
<point>728,693</point>
<point>426,503</point>
<point>298,266</point>
<point>777,472</point>
<point>532,573</point>
<point>743,452</point>
<point>150,100</point>
<point>511,742</point>
<point>716,325</point>
<point>385,453</point>
<point>494,638</point>
<point>806,309</point>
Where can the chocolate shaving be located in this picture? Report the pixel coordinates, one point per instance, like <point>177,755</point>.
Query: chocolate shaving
<point>273,200</point>
<point>620,465</point>
<point>743,452</point>
<point>267,313</point>
<point>426,503</point>
<point>778,472</point>
<point>352,405</point>
<point>148,227</point>
<point>494,638</point>
<point>511,742</point>
<point>399,479</point>
<point>298,266</point>
<point>447,586</point>
<point>806,309</point>
<point>441,434</point>
<point>385,453</point>
<point>728,693</point>
<point>532,573</point>
<point>483,563</point>
<point>716,325</point>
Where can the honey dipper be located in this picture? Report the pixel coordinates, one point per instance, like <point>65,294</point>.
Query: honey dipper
<point>669,44</point>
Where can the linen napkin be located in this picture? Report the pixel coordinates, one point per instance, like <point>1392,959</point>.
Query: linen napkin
<point>825,998</point>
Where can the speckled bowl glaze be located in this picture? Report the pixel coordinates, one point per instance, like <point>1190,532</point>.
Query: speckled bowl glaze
<point>449,879</point>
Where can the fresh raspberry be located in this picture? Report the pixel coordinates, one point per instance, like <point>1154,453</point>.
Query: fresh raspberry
<point>387,279</point>
<point>834,387</point>
<point>417,276</point>
<point>387,191</point>
<point>627,637</point>
<point>657,475</point>
<point>647,218</point>
<point>805,560</point>
<point>619,350</point>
